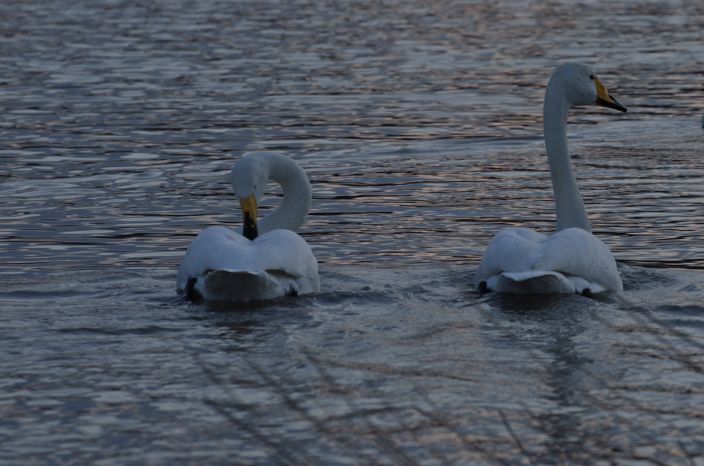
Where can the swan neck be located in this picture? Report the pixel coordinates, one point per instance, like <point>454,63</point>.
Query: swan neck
<point>297,195</point>
<point>569,206</point>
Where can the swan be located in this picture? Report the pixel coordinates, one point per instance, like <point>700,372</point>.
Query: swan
<point>572,260</point>
<point>268,260</point>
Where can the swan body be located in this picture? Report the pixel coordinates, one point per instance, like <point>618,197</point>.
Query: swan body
<point>521,260</point>
<point>572,260</point>
<point>269,260</point>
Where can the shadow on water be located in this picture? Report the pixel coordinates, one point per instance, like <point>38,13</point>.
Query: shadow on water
<point>549,328</point>
<point>551,378</point>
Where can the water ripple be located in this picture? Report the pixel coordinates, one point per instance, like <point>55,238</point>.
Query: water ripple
<point>419,124</point>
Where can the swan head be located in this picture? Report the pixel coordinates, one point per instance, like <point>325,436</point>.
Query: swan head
<point>582,86</point>
<point>248,178</point>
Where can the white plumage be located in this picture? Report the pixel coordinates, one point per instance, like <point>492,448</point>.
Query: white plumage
<point>521,260</point>
<point>572,260</point>
<point>222,265</point>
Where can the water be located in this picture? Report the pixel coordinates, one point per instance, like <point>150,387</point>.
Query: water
<point>419,124</point>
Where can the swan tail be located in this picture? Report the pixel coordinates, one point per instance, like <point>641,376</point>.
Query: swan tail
<point>541,282</point>
<point>240,286</point>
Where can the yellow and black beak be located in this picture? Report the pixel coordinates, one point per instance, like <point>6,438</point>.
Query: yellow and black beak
<point>603,97</point>
<point>249,211</point>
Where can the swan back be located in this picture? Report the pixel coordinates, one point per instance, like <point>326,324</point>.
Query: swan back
<point>572,253</point>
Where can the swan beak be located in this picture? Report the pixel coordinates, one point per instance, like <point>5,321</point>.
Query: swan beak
<point>604,99</point>
<point>249,210</point>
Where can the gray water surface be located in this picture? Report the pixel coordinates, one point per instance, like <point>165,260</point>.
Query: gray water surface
<point>419,124</point>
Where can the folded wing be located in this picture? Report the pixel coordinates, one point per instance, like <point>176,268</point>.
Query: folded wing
<point>571,260</point>
<point>221,265</point>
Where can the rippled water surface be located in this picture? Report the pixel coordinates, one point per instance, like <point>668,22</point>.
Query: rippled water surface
<point>419,124</point>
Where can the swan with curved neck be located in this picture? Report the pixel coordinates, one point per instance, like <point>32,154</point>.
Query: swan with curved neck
<point>249,177</point>
<point>572,259</point>
<point>269,260</point>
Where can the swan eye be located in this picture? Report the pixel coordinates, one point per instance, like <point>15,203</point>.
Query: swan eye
<point>591,76</point>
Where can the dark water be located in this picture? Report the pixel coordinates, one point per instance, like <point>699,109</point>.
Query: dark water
<point>419,124</point>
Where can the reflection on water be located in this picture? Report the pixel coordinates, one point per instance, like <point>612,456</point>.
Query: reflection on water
<point>419,124</point>
<point>394,363</point>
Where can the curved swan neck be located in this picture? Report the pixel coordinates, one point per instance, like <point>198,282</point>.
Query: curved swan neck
<point>297,195</point>
<point>568,201</point>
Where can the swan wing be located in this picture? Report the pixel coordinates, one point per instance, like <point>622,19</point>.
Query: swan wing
<point>222,265</point>
<point>571,260</point>
<point>577,252</point>
<point>511,250</point>
<point>285,252</point>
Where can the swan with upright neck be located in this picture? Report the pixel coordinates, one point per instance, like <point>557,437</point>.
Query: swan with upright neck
<point>572,260</point>
<point>268,260</point>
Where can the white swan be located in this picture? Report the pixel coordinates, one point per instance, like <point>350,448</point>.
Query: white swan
<point>269,260</point>
<point>572,260</point>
